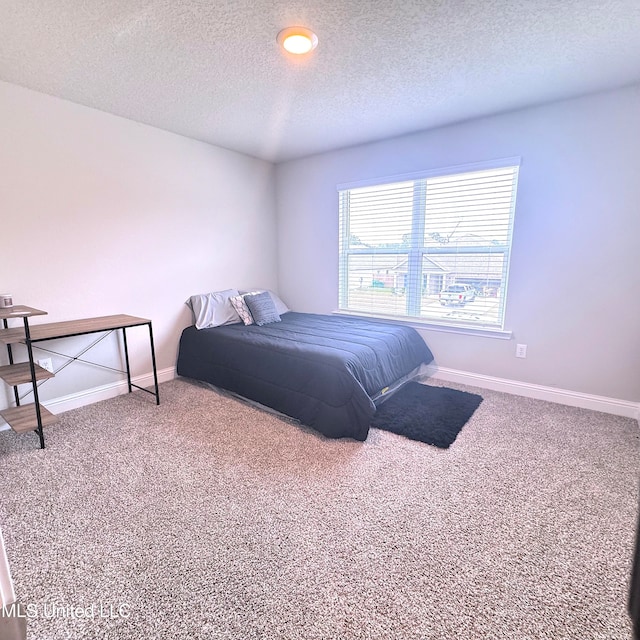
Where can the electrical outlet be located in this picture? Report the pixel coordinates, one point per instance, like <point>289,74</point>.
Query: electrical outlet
<point>521,351</point>
<point>46,363</point>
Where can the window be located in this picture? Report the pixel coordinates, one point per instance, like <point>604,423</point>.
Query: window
<point>433,247</point>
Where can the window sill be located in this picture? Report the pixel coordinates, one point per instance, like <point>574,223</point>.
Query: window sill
<point>483,332</point>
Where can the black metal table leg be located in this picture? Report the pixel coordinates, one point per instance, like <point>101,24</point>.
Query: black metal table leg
<point>32,367</point>
<point>126,357</point>
<point>153,361</point>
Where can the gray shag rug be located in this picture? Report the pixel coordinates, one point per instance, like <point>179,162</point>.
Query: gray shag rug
<point>430,414</point>
<point>208,518</point>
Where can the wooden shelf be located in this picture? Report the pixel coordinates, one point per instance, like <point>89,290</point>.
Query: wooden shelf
<point>24,417</point>
<point>20,373</point>
<point>27,417</point>
<point>20,311</point>
<point>12,336</point>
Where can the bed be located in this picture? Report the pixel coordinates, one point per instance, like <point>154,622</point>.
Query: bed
<point>325,371</point>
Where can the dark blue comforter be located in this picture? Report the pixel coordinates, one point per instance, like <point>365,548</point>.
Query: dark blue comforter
<point>322,370</point>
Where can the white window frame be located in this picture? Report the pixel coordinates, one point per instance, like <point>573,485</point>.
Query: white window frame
<point>417,249</point>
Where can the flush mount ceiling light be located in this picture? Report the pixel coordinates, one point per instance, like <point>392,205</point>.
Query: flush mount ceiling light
<point>298,40</point>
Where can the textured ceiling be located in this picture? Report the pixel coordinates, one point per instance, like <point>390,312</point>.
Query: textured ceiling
<point>212,70</point>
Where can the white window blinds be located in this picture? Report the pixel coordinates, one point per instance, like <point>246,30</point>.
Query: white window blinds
<point>434,248</point>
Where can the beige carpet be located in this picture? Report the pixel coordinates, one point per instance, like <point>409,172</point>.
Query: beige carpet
<point>208,518</point>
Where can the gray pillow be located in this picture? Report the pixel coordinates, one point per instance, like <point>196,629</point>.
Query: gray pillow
<point>281,307</point>
<point>262,308</point>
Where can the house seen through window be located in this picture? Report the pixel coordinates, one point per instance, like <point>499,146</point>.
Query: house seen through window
<point>433,248</point>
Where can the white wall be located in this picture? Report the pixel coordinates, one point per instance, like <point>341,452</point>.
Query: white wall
<point>101,215</point>
<point>574,288</point>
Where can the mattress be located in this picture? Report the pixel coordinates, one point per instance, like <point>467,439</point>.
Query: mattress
<point>322,370</point>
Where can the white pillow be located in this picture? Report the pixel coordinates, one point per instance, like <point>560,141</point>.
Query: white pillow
<point>213,309</point>
<point>241,308</point>
<point>281,307</point>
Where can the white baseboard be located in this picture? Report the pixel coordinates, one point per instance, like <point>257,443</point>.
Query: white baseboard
<point>104,392</point>
<point>614,406</point>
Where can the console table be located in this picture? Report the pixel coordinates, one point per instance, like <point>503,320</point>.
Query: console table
<point>16,417</point>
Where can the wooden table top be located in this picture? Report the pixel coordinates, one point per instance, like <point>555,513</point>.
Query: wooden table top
<point>68,328</point>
